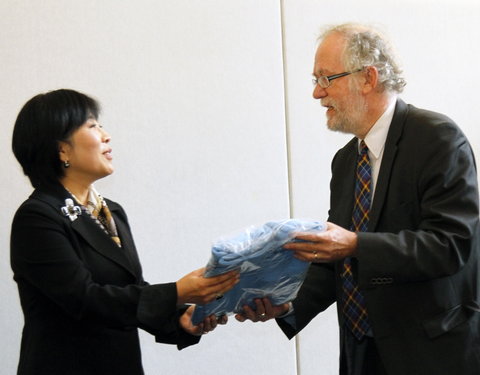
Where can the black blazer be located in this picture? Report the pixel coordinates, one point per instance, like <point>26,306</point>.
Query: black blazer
<point>418,263</point>
<point>82,296</point>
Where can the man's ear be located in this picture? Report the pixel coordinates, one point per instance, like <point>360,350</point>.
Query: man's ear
<point>371,79</point>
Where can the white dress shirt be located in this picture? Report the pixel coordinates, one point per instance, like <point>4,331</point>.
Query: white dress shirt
<point>375,141</point>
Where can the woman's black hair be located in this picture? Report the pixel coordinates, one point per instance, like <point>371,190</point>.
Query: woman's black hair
<point>43,122</point>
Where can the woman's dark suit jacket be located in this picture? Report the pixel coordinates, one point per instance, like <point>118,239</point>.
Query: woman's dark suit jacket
<point>82,296</point>
<point>418,263</point>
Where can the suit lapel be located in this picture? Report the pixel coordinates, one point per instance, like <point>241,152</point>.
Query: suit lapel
<point>390,151</point>
<point>101,242</point>
<point>128,245</point>
<point>90,231</point>
<point>343,185</point>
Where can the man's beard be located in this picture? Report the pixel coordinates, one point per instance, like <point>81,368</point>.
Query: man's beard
<point>348,117</point>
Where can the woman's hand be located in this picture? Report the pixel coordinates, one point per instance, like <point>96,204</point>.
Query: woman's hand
<point>195,288</point>
<point>264,311</point>
<point>208,324</point>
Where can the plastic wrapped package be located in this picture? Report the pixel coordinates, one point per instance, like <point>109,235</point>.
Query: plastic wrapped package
<point>266,269</point>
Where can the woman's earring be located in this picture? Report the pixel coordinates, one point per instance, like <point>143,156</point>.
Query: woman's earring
<point>66,164</point>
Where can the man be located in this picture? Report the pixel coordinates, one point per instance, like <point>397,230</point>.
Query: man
<point>401,251</point>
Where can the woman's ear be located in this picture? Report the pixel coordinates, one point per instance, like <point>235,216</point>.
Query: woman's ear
<point>63,151</point>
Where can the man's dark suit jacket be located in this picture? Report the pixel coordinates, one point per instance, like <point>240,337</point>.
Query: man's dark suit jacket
<point>82,296</point>
<point>418,264</point>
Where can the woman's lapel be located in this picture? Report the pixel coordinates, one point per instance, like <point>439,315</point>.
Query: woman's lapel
<point>91,232</point>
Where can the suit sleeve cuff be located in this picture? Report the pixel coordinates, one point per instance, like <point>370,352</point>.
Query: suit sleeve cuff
<point>157,303</point>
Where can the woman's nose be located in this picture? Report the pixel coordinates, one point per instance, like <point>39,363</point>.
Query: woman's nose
<point>105,136</point>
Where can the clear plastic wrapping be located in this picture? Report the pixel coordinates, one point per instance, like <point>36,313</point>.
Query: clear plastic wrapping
<point>266,269</point>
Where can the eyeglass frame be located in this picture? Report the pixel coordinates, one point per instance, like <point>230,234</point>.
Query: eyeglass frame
<point>329,79</point>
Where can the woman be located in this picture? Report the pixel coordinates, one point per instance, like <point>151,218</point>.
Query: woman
<point>73,256</point>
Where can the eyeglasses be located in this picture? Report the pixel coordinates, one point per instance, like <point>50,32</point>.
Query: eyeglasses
<point>324,81</point>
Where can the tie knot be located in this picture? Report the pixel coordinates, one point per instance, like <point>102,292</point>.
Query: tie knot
<point>363,147</point>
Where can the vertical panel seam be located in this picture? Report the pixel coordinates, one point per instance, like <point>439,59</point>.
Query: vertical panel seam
<point>286,111</point>
<point>288,149</point>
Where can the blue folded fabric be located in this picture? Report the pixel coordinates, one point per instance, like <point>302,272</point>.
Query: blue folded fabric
<point>266,269</point>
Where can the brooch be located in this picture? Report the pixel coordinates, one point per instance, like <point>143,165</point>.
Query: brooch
<point>70,210</point>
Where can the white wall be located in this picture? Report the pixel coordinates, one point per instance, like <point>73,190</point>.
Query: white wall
<point>438,42</point>
<point>208,132</point>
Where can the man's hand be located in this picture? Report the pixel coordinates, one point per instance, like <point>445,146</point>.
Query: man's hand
<point>334,244</point>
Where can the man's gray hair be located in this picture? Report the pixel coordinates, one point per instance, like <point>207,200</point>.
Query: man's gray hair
<point>366,46</point>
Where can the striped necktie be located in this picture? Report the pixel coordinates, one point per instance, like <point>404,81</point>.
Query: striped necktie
<point>354,308</point>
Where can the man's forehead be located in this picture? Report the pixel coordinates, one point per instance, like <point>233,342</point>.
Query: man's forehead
<point>327,64</point>
<point>328,57</point>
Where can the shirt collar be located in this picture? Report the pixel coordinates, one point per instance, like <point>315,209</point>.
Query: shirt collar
<point>376,137</point>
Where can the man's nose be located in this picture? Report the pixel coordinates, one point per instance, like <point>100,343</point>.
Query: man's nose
<point>318,92</point>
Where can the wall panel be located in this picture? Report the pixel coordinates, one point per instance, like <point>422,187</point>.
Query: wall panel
<point>438,43</point>
<point>192,94</point>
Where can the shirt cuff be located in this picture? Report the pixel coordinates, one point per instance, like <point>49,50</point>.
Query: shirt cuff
<point>288,313</point>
